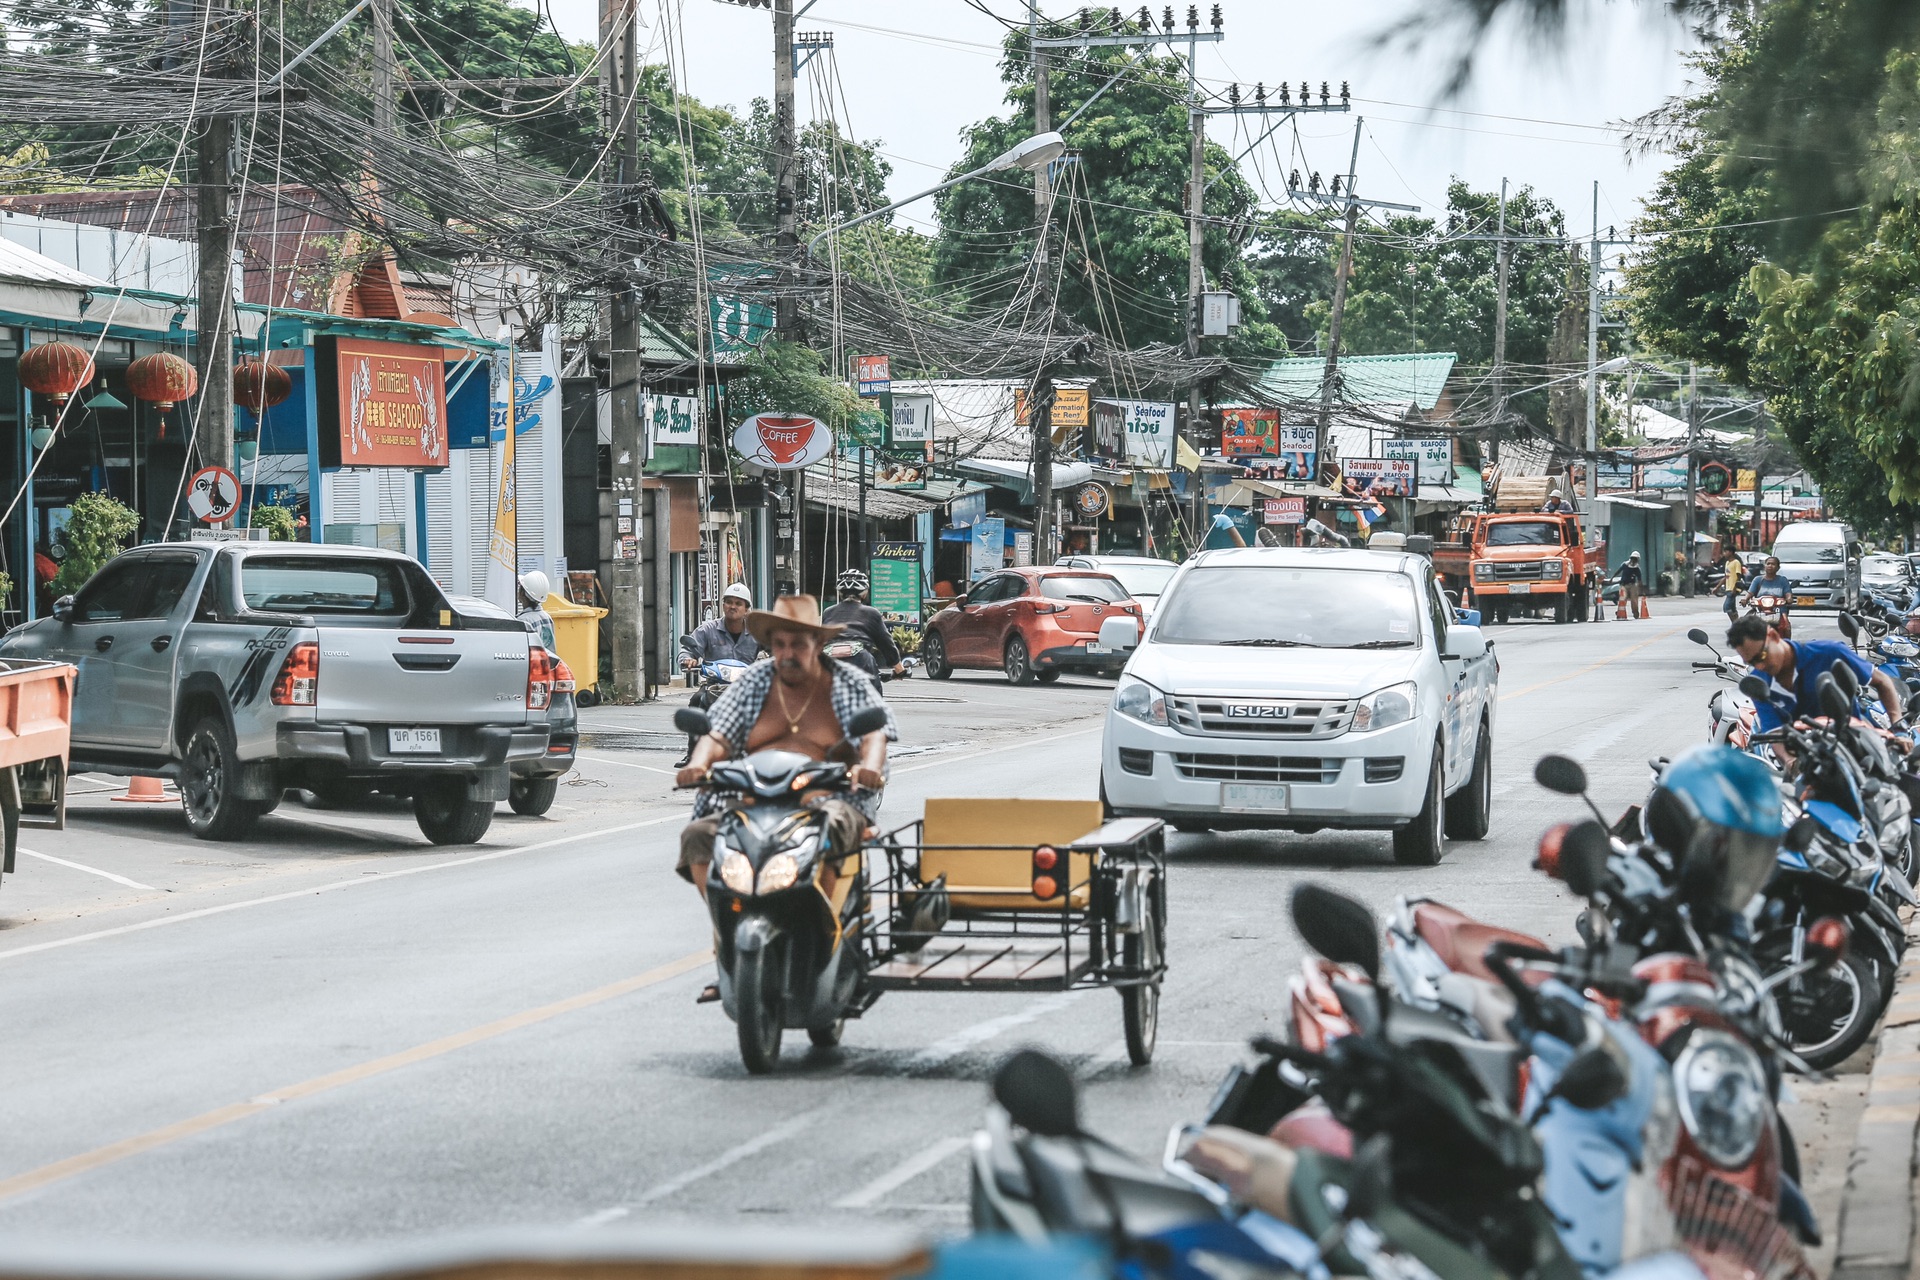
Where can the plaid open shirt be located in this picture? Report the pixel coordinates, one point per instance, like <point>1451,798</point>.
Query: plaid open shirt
<point>739,708</point>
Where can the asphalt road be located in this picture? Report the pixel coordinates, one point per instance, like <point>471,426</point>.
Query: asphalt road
<point>338,1032</point>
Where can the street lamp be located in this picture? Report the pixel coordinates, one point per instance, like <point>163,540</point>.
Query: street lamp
<point>1033,155</point>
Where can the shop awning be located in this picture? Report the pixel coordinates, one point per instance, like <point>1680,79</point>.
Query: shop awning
<point>1446,495</point>
<point>1244,493</point>
<point>822,489</point>
<point>1021,472</point>
<point>1639,503</point>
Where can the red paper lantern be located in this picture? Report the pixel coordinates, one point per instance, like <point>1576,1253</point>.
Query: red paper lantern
<point>164,379</point>
<point>56,369</point>
<point>258,386</point>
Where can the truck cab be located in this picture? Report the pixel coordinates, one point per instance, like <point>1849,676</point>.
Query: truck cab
<point>1529,564</point>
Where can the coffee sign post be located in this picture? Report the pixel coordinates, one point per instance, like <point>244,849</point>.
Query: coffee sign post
<point>782,442</point>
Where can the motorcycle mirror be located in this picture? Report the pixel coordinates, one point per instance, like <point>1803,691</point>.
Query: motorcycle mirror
<point>1827,940</point>
<point>1562,774</point>
<point>1592,1080</point>
<point>1583,858</point>
<point>1833,702</point>
<point>1699,637</point>
<point>1844,676</point>
<point>1039,1094</point>
<point>693,722</point>
<point>1799,837</point>
<point>1754,687</point>
<point>1913,704</point>
<point>872,720</point>
<point>1849,625</point>
<point>1338,927</point>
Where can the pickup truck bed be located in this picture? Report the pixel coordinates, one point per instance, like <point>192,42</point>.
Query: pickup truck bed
<point>245,669</point>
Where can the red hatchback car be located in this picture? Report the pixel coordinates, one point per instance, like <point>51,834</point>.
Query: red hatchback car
<point>1031,623</point>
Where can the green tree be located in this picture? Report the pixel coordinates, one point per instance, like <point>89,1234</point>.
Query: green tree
<point>97,529</point>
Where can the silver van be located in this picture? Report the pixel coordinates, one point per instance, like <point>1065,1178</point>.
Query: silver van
<point>1821,558</point>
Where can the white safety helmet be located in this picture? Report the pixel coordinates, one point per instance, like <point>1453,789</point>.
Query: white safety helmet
<point>535,584</point>
<point>1555,494</point>
<point>738,591</point>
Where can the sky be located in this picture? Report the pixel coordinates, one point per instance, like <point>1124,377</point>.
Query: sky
<point>915,73</point>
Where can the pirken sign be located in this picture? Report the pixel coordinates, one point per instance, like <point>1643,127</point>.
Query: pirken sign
<point>382,404</point>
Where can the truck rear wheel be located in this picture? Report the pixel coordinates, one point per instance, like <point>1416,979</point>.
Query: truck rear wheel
<point>531,797</point>
<point>445,814</point>
<point>209,776</point>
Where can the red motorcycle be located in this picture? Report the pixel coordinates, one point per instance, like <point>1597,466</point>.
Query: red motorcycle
<point>1772,610</point>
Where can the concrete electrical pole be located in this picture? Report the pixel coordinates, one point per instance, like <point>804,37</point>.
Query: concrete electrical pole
<point>786,206</point>
<point>1040,408</point>
<point>1340,274</point>
<point>1593,351</point>
<point>214,233</point>
<point>1504,260</point>
<point>626,590</point>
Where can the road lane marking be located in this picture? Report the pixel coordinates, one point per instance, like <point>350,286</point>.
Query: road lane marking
<point>901,1174</point>
<point>944,761</point>
<point>1591,666</point>
<point>624,764</point>
<point>92,871</point>
<point>365,877</point>
<point>719,1164</point>
<point>980,1032</point>
<point>166,1135</point>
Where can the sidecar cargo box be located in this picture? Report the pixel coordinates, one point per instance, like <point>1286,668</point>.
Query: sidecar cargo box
<point>985,847</point>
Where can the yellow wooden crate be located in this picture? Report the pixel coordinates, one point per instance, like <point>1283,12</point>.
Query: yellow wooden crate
<point>991,848</point>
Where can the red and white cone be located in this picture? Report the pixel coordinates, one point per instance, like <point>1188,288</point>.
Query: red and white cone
<point>144,791</point>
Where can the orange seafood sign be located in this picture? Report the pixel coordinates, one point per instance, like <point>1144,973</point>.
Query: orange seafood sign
<point>388,407</point>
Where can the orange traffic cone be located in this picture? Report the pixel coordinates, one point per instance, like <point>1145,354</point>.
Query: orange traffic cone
<point>144,791</point>
<point>1643,608</point>
<point>1620,611</point>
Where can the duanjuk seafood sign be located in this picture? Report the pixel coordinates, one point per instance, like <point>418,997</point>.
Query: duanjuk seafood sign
<point>381,404</point>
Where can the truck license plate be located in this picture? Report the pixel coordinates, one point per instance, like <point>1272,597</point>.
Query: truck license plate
<point>1246,797</point>
<point>1518,588</point>
<point>413,741</point>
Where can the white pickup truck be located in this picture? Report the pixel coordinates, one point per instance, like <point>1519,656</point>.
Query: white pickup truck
<point>1299,689</point>
<point>243,669</point>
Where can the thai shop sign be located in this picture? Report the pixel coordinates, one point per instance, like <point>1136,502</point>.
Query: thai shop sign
<point>672,420</point>
<point>1250,433</point>
<point>912,420</point>
<point>1146,428</point>
<point>1286,510</point>
<point>1382,477</point>
<point>1432,455</point>
<point>893,577</point>
<point>873,375</point>
<point>1072,409</point>
<point>382,404</point>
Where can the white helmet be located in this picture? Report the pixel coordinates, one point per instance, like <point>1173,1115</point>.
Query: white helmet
<point>535,584</point>
<point>738,591</point>
<point>1555,494</point>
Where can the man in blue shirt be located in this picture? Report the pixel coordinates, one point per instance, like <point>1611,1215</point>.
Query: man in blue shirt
<point>1792,668</point>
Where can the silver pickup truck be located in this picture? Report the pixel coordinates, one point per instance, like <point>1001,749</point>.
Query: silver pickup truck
<point>243,669</point>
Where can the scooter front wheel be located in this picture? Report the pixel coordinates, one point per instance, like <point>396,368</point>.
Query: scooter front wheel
<point>756,996</point>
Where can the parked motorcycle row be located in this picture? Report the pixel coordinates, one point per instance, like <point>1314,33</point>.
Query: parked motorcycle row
<point>1456,1099</point>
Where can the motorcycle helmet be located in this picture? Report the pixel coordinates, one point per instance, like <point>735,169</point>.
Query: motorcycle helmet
<point>1718,812</point>
<point>853,580</point>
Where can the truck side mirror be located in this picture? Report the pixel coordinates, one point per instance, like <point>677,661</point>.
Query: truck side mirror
<point>63,609</point>
<point>1119,634</point>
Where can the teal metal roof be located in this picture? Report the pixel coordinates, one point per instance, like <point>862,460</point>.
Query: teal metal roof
<point>1393,379</point>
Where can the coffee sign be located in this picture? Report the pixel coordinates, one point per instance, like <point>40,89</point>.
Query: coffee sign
<point>783,442</point>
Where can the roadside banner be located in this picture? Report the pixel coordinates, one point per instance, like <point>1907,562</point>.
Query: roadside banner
<point>988,548</point>
<point>503,586</point>
<point>1433,456</point>
<point>893,578</point>
<point>1382,477</point>
<point>1286,510</point>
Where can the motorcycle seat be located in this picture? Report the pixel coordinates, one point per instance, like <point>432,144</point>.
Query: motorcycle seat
<point>1460,941</point>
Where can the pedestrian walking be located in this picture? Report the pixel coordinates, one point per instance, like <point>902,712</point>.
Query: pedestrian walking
<point>1632,586</point>
<point>1734,567</point>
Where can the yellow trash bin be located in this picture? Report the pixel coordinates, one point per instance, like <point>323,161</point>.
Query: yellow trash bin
<point>576,635</point>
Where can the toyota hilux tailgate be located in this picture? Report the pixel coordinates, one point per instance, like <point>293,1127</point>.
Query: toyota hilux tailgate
<point>372,675</point>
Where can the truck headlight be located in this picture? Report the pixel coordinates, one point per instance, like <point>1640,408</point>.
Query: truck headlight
<point>1389,706</point>
<point>1722,1092</point>
<point>1483,570</point>
<point>1556,569</point>
<point>736,872</point>
<point>1140,701</point>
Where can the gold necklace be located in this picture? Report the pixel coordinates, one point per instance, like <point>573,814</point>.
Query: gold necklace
<point>793,721</point>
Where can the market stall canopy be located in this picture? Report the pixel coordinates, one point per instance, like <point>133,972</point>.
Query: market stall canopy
<point>1244,493</point>
<point>1017,473</point>
<point>1412,378</point>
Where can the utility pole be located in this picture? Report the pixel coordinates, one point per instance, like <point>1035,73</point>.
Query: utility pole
<point>1504,258</point>
<point>1693,431</point>
<point>386,119</point>
<point>214,234</point>
<point>1196,281</point>
<point>1327,379</point>
<point>1593,354</point>
<point>1040,408</point>
<point>626,595</point>
<point>786,205</point>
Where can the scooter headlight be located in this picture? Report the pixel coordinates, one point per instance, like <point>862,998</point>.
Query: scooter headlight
<point>736,872</point>
<point>1722,1092</point>
<point>780,871</point>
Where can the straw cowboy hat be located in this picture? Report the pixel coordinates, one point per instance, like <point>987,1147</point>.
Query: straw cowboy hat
<point>791,613</point>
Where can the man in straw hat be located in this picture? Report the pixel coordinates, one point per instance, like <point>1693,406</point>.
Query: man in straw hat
<point>801,701</point>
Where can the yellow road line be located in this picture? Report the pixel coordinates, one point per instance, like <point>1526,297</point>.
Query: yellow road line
<point>126,1148</point>
<point>1591,666</point>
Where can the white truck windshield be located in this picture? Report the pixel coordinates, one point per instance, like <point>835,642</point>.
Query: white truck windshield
<point>1263,606</point>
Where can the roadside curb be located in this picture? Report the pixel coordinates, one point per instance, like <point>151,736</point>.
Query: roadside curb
<point>1877,1212</point>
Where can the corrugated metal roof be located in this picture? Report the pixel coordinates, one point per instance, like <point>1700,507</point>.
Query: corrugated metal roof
<point>1416,377</point>
<point>844,493</point>
<point>17,262</point>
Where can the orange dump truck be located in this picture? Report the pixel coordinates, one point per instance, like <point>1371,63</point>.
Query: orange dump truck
<point>1517,564</point>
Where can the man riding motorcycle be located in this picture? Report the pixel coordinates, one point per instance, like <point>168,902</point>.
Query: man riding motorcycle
<point>800,702</point>
<point>1771,582</point>
<point>862,622</point>
<point>1792,668</point>
<point>720,639</point>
